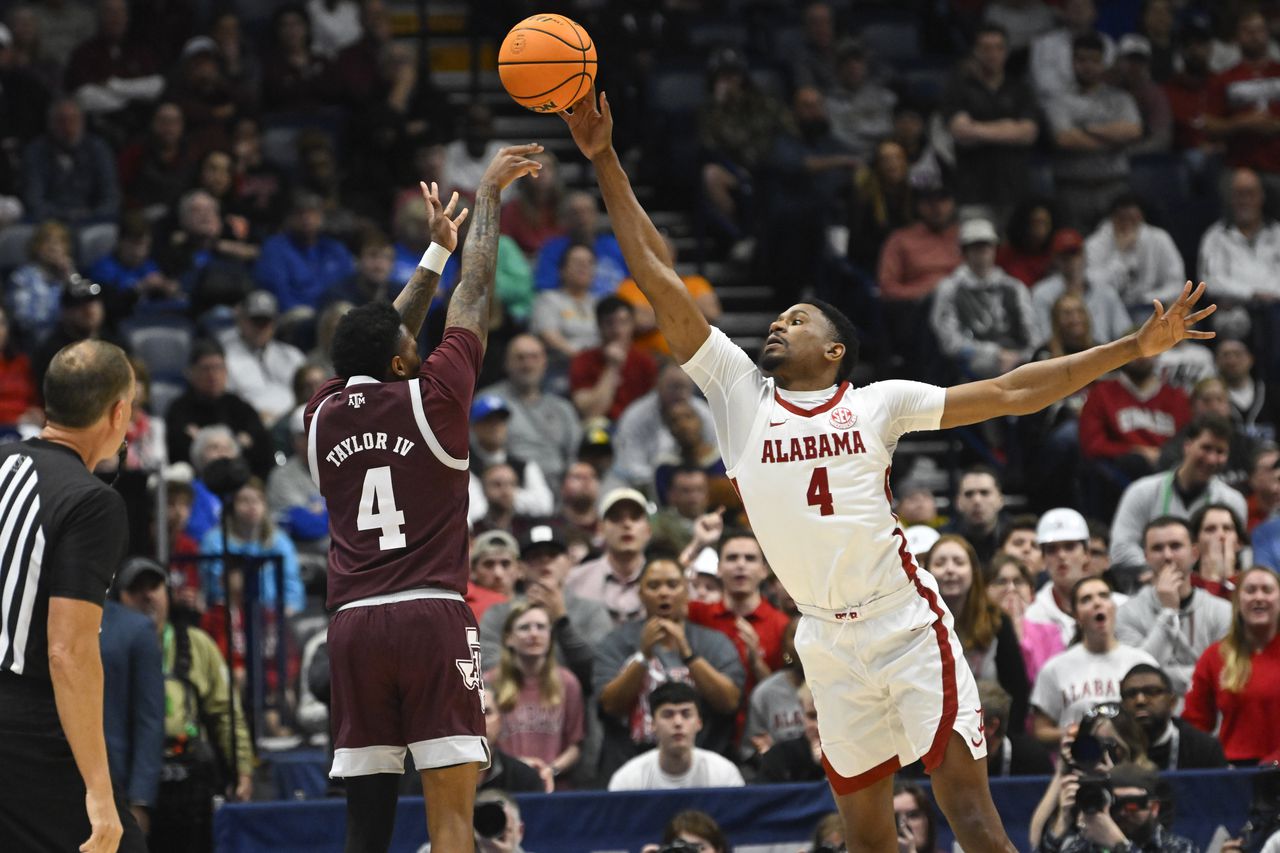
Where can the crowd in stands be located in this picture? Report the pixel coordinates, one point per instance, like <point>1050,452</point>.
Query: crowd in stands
<point>978,184</point>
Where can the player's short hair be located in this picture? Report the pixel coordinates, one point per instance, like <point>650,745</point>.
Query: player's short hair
<point>1148,669</point>
<point>611,305</point>
<point>366,340</point>
<point>842,332</point>
<point>84,381</point>
<point>673,693</point>
<point>1166,521</point>
<point>1087,41</point>
<point>990,28</point>
<point>1099,530</point>
<point>1216,425</point>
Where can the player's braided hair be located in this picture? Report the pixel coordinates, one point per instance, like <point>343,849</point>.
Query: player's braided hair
<point>366,340</point>
<point>842,332</point>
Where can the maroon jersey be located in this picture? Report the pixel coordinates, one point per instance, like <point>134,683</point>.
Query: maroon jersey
<point>390,459</point>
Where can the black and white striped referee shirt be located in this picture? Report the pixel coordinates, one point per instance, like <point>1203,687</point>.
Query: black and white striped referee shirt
<point>63,532</point>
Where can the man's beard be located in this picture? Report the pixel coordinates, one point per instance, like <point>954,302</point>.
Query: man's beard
<point>769,362</point>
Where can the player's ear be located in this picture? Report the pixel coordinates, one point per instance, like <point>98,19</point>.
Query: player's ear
<point>398,367</point>
<point>835,351</point>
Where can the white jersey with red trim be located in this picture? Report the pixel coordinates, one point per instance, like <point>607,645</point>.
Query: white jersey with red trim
<point>813,472</point>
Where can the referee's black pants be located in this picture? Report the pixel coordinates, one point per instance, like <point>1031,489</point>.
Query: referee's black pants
<point>41,793</point>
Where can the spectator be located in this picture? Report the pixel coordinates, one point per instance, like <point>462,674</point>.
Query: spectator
<point>209,444</point>
<point>564,318</point>
<point>371,281</point>
<point>882,203</point>
<point>260,368</point>
<point>1019,541</point>
<point>991,646</point>
<point>156,169</point>
<point>980,516</point>
<point>1133,64</point>
<point>533,216</point>
<point>337,24</point>
<point>207,98</point>
<point>24,95</point>
<point>1092,124</point>
<point>1064,540</point>
<point>1131,820</point>
<point>913,810</point>
<point>35,288</point>
<point>992,118</point>
<point>1169,618</point>
<point>1158,26</point>
<point>506,772</point>
<point>1011,751</point>
<point>675,762</point>
<point>693,451</point>
<point>860,109</point>
<point>737,126</point>
<point>797,759</point>
<point>583,226</point>
<point>578,625</point>
<point>1241,110</point>
<point>1254,403</point>
<point>1172,743</point>
<point>981,314</point>
<point>605,380</point>
<point>1236,683</point>
<point>641,435</point>
<point>752,624</point>
<point>294,75</point>
<point>68,173</point>
<point>295,501</point>
<point>494,508</point>
<point>684,500</point>
<point>510,839</point>
<point>1108,316</point>
<point>695,828</point>
<point>357,64</point>
<point>466,157</point>
<point>201,254</point>
<point>260,186</point>
<point>1140,259</point>
<point>300,265</point>
<point>81,316</point>
<point>1053,54</point>
<point>254,534</point>
<point>916,257</point>
<point>1188,93</point>
<point>1125,421</point>
<point>129,274</point>
<point>1220,544</point>
<point>133,700</point>
<point>816,53</point>
<point>494,554</point>
<point>541,701</point>
<point>1022,20</point>
<point>112,73</point>
<point>184,572</point>
<point>198,714</point>
<point>1209,397</point>
<point>490,416</point>
<point>579,514</point>
<point>917,504</point>
<point>542,426</point>
<point>206,402</point>
<point>1027,252</point>
<point>1264,485</point>
<point>1090,670</point>
<point>1177,492</point>
<point>19,397</point>
<point>774,713</point>
<point>647,335</point>
<point>614,578</point>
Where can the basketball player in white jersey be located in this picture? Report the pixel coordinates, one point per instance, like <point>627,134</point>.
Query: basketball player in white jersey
<point>810,455</point>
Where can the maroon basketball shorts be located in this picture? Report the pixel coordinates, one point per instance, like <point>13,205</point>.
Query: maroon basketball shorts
<point>406,674</point>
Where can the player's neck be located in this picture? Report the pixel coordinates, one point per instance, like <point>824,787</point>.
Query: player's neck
<point>742,605</point>
<point>677,761</point>
<point>801,385</point>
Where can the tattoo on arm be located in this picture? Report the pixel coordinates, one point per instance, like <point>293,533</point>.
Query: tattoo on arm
<point>469,307</point>
<point>415,299</point>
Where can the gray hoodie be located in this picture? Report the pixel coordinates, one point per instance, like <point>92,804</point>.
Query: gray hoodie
<point>1175,638</point>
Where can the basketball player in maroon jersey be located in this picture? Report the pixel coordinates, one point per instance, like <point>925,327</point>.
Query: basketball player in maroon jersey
<point>387,446</point>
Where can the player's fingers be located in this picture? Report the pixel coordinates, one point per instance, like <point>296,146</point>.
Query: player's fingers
<point>453,202</point>
<point>1201,336</point>
<point>604,107</point>
<point>1201,314</point>
<point>1196,294</point>
<point>1158,307</point>
<point>522,150</point>
<point>461,217</point>
<point>719,510</point>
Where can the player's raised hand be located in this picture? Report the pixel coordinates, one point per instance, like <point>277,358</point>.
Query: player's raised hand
<point>441,222</point>
<point>511,163</point>
<point>591,124</point>
<point>1165,328</point>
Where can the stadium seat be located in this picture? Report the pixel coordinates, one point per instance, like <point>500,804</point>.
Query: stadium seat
<point>13,246</point>
<point>894,42</point>
<point>95,242</point>
<point>162,343</point>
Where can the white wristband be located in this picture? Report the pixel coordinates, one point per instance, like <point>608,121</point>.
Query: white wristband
<point>434,258</point>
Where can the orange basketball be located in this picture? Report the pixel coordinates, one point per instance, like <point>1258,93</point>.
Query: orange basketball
<point>547,63</point>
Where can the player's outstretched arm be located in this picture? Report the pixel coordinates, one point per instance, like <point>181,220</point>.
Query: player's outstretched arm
<point>415,299</point>
<point>1033,386</point>
<point>469,307</point>
<point>679,319</point>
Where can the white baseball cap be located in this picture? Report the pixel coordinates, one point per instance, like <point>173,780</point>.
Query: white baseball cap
<point>1062,525</point>
<point>920,538</point>
<point>977,231</point>
<point>617,496</point>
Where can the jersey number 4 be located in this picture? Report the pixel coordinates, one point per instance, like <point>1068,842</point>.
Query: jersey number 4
<point>378,509</point>
<point>819,493</point>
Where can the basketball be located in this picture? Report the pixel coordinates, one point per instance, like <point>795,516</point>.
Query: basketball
<point>547,63</point>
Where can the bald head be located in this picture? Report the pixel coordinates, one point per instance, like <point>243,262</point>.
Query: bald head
<point>84,382</point>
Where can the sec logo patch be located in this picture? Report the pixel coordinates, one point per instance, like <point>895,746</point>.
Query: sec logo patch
<point>842,418</point>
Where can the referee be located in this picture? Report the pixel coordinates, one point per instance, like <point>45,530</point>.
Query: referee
<point>62,534</point>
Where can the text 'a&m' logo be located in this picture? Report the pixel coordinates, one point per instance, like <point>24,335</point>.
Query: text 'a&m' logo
<point>842,418</point>
<point>356,400</point>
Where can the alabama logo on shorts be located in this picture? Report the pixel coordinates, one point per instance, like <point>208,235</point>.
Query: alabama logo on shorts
<point>470,667</point>
<point>842,418</point>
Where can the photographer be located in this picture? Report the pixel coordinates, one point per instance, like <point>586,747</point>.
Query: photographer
<point>691,832</point>
<point>497,822</point>
<point>1118,816</point>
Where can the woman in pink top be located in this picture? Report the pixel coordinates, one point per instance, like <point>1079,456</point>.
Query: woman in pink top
<point>541,701</point>
<point>1010,587</point>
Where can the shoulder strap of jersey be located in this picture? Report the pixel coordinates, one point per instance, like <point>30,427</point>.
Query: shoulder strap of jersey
<point>312,460</point>
<point>420,415</point>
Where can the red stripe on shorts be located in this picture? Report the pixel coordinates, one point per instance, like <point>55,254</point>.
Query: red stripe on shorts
<point>950,701</point>
<point>845,785</point>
